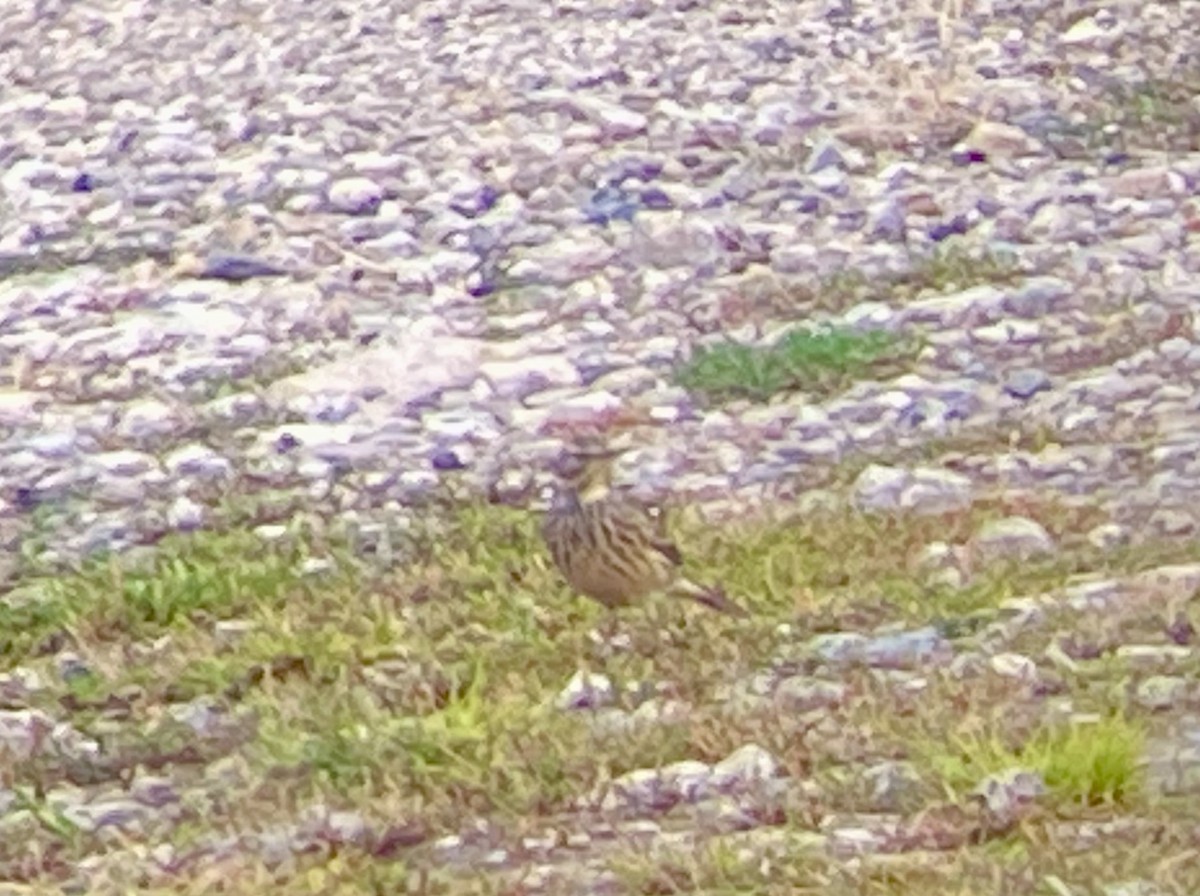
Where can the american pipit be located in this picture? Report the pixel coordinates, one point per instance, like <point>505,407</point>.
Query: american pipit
<point>611,548</point>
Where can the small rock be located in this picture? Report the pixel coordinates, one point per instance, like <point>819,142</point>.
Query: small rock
<point>272,532</point>
<point>119,813</point>
<point>853,841</point>
<point>907,650</point>
<point>1014,665</point>
<point>198,461</point>
<point>444,459</point>
<point>1006,793</point>
<point>587,690</point>
<point>1095,32</point>
<point>1171,522</point>
<point>201,715</point>
<point>317,566</point>
<point>236,268</point>
<point>1012,538</point>
<point>839,647</point>
<point>71,666</point>
<point>943,564</point>
<point>997,140</point>
<point>1180,629</point>
<point>800,694</point>
<point>1026,382</point>
<point>24,731</point>
<point>886,220</point>
<point>185,515</point>
<point>870,316</point>
<point>1108,536</point>
<point>355,196</point>
<point>893,650</point>
<point>153,790</point>
<point>1161,692</point>
<point>925,490</point>
<point>744,767</point>
<point>615,121</point>
<point>521,378</point>
<point>879,487</point>
<point>657,789</point>
<point>336,826</point>
<point>228,632</point>
<point>21,408</point>
<point>892,784</point>
<point>1151,656</point>
<point>125,463</point>
<point>937,491</point>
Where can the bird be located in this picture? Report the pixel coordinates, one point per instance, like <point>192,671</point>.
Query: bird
<point>609,547</point>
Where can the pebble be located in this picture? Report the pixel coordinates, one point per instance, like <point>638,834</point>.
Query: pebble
<point>746,766</point>
<point>587,691</point>
<point>1162,692</point>
<point>1026,382</point>
<point>918,648</point>
<point>1012,538</point>
<point>800,694</point>
<point>892,784</point>
<point>1007,793</point>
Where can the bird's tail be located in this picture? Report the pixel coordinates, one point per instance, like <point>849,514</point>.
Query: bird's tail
<point>712,597</point>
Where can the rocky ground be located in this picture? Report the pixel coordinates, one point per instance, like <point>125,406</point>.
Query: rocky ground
<point>289,292</point>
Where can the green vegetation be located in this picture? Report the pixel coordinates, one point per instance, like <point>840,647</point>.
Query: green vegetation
<point>952,266</point>
<point>1081,763</point>
<point>190,579</point>
<point>1158,112</point>
<point>425,696</point>
<point>821,362</point>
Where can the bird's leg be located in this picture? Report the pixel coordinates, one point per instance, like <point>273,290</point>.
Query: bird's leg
<point>660,623</point>
<point>608,628</point>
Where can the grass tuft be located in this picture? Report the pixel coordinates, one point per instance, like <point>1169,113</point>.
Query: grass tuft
<point>1082,764</point>
<point>204,576</point>
<point>815,361</point>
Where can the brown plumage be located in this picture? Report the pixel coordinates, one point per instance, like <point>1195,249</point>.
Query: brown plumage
<point>611,548</point>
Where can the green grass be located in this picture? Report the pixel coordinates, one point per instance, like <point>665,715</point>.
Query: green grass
<point>190,579</point>
<point>1083,764</point>
<point>812,361</point>
<point>1157,112</point>
<point>954,265</point>
<point>425,694</point>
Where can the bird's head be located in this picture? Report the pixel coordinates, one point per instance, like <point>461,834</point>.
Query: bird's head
<point>586,465</point>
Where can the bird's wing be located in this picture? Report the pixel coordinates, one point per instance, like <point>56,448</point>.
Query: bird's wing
<point>661,538</point>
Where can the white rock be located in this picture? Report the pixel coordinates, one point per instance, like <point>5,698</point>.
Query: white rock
<point>745,766</point>
<point>1014,665</point>
<point>1012,538</point>
<point>125,463</point>
<point>147,419</point>
<point>18,408</point>
<point>199,461</point>
<point>185,515</point>
<point>937,491</point>
<point>587,690</point>
<point>520,379</point>
<point>355,195</point>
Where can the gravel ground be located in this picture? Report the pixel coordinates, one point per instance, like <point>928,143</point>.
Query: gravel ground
<point>337,255</point>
